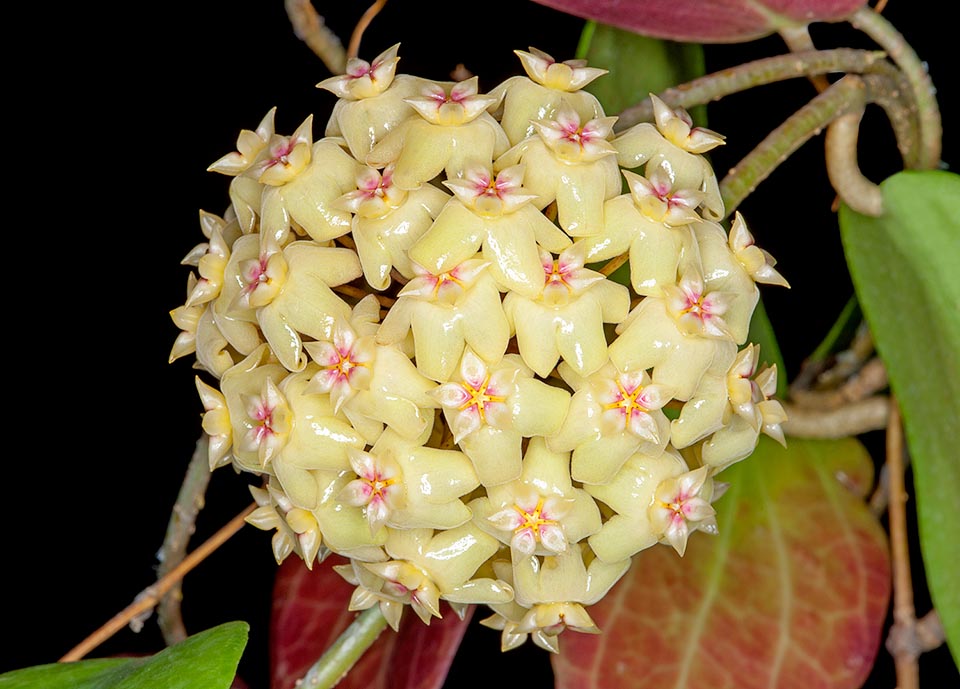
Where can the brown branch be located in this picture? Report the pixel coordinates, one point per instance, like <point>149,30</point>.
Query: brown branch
<point>843,170</point>
<point>904,652</point>
<point>310,28</point>
<point>181,526</point>
<point>869,380</point>
<point>149,597</point>
<point>353,49</point>
<point>852,419</point>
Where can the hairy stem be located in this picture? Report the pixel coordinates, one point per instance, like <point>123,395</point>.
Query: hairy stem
<point>757,73</point>
<point>847,95</point>
<point>310,28</point>
<point>798,39</point>
<point>148,598</point>
<point>924,94</point>
<point>181,526</point>
<point>337,660</point>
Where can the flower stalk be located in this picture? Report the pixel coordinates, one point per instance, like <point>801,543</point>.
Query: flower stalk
<point>337,660</point>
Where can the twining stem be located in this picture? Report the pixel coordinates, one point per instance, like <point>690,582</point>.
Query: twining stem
<point>870,414</point>
<point>181,526</point>
<point>904,613</point>
<point>843,170</point>
<point>353,49</point>
<point>310,28</point>
<point>758,73</point>
<point>149,597</point>
<point>842,97</point>
<point>798,39</point>
<point>337,660</point>
<point>924,94</point>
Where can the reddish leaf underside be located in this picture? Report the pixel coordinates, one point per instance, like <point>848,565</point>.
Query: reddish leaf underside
<point>309,613</point>
<point>792,593</point>
<point>712,21</point>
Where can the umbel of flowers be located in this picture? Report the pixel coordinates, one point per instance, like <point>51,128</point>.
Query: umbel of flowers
<point>408,332</point>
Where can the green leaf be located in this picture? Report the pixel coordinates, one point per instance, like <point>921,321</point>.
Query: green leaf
<point>905,267</point>
<point>841,332</point>
<point>638,66</point>
<point>207,660</point>
<point>792,592</point>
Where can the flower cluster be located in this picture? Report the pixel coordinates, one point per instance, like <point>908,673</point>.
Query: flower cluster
<point>415,344</point>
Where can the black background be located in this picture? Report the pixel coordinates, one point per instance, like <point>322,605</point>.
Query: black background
<point>112,139</point>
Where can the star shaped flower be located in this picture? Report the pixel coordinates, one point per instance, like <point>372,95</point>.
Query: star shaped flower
<point>490,408</point>
<point>492,212</point>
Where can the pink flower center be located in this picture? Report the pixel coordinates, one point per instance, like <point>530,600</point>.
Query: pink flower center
<point>279,153</point>
<point>342,365</point>
<point>534,520</point>
<point>627,401</point>
<point>255,274</point>
<point>263,415</point>
<point>479,397</point>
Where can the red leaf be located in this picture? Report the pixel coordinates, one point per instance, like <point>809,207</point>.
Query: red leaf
<point>310,612</point>
<point>791,594</point>
<point>707,21</point>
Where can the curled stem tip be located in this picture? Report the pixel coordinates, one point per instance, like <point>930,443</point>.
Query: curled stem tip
<point>854,189</point>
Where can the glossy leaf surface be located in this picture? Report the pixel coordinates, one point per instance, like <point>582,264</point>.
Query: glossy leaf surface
<point>310,612</point>
<point>792,593</point>
<point>638,65</point>
<point>207,660</point>
<point>905,267</point>
<point>717,21</point>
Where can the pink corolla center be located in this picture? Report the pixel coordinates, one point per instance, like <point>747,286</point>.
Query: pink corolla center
<point>679,508</point>
<point>377,488</point>
<point>488,195</point>
<point>462,105</point>
<point>573,142</point>
<point>345,365</point>
<point>262,278</point>
<point>269,419</point>
<point>628,406</point>
<point>695,310</point>
<point>375,195</point>
<point>534,522</point>
<point>480,399</point>
<point>659,201</point>
<point>446,286</point>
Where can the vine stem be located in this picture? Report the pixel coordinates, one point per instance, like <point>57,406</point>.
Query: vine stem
<point>353,49</point>
<point>337,660</point>
<point>182,524</point>
<point>903,55</point>
<point>310,28</point>
<point>149,597</point>
<point>904,613</point>
<point>758,73</point>
<point>845,96</point>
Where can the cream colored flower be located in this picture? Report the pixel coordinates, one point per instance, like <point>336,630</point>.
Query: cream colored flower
<point>557,589</point>
<point>570,162</point>
<point>674,147</point>
<point>492,212</point>
<point>429,565</point>
<point>541,512</point>
<point>612,416</point>
<point>651,223</point>
<point>447,312</point>
<point>630,494</point>
<point>303,194</point>
<point>454,131</point>
<point>387,221</point>
<point>288,292</point>
<point>216,424</point>
<point>490,408</point>
<point>681,505</point>
<point>565,320</point>
<point>548,86</point>
<point>757,262</point>
<point>210,257</point>
<point>373,385</point>
<point>371,100</point>
<point>404,485</point>
<point>650,338</point>
<point>296,528</point>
